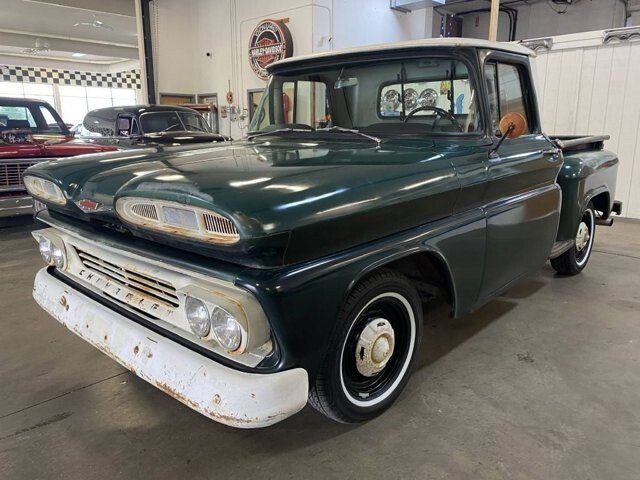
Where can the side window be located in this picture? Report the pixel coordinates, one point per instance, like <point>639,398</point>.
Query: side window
<point>124,126</point>
<point>305,102</point>
<point>51,122</point>
<point>134,128</point>
<point>505,93</point>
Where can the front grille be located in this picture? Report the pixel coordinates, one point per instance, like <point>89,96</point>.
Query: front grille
<point>218,224</point>
<point>11,174</point>
<point>145,210</point>
<point>140,282</point>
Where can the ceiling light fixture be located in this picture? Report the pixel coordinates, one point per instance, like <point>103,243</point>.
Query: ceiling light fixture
<point>94,24</point>
<point>41,46</point>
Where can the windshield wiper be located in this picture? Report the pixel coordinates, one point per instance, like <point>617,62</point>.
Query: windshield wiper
<point>279,130</point>
<point>350,130</point>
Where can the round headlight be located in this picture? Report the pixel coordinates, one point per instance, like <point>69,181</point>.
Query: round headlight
<point>226,329</point>
<point>198,316</point>
<point>57,256</point>
<point>45,249</point>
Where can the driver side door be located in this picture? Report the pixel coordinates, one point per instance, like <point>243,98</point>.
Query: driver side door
<point>522,199</point>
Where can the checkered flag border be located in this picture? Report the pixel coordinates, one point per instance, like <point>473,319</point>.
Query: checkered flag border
<point>128,79</point>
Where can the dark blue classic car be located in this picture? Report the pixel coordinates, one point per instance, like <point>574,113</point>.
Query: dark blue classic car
<point>147,124</point>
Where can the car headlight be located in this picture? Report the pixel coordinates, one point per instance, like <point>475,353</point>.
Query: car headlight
<point>44,190</point>
<point>219,324</point>
<point>45,249</point>
<point>197,316</point>
<point>52,250</point>
<point>178,219</point>
<point>57,256</point>
<point>226,329</point>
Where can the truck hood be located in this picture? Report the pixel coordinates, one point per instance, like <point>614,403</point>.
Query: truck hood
<point>313,197</point>
<point>48,146</point>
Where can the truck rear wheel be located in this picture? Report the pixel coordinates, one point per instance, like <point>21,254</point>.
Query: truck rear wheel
<point>371,354</point>
<point>575,259</point>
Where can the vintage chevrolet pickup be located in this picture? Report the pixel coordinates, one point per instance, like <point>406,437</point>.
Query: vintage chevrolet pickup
<point>249,278</point>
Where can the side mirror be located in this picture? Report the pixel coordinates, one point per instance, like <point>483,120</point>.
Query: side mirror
<point>513,125</point>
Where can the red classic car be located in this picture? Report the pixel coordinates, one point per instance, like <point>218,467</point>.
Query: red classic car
<point>31,131</point>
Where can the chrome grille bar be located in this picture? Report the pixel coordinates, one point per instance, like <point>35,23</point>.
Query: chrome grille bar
<point>150,286</point>
<point>11,174</point>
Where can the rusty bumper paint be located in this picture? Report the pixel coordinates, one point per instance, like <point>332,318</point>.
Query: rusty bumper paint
<point>237,399</point>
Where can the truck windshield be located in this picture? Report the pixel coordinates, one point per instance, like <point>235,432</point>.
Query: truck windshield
<point>31,118</point>
<point>424,96</point>
<point>161,122</point>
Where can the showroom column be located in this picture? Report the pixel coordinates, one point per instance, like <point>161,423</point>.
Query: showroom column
<point>493,20</point>
<point>145,49</point>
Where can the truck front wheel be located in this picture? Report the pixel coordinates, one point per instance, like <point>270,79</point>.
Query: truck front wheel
<point>575,259</point>
<point>371,353</point>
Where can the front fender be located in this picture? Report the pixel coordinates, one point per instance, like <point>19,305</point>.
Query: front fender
<point>303,302</point>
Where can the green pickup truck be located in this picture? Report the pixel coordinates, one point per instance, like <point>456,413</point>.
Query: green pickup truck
<point>248,278</point>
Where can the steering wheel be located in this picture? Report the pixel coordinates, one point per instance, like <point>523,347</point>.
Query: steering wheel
<point>441,113</point>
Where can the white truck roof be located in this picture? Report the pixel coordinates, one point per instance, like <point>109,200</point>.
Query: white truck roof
<point>428,42</point>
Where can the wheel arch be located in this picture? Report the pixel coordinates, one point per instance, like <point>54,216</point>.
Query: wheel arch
<point>601,202</point>
<point>427,265</point>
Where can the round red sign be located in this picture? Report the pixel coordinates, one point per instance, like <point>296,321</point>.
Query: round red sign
<point>270,41</point>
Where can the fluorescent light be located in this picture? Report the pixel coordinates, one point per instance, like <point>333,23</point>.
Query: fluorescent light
<point>78,54</point>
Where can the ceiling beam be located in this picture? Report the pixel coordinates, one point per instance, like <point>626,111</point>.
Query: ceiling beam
<point>124,8</point>
<point>102,49</point>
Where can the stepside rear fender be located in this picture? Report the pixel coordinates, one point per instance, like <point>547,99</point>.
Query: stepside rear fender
<point>586,175</point>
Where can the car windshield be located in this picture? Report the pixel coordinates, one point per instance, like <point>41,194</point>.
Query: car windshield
<point>32,118</point>
<point>422,96</point>
<point>168,121</point>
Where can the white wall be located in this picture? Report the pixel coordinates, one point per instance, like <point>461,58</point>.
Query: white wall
<point>175,46</point>
<point>365,22</point>
<point>539,20</point>
<point>187,29</point>
<point>585,87</point>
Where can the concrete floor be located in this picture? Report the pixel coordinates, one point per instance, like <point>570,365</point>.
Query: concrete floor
<point>542,383</point>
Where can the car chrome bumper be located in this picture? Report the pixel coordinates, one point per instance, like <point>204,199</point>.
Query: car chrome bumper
<point>235,398</point>
<point>15,206</point>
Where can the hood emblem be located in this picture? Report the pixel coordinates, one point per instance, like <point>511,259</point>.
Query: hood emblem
<point>88,206</point>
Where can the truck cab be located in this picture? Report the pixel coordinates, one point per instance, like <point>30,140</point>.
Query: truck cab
<point>249,278</point>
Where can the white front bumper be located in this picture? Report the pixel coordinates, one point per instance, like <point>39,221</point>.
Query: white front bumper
<point>232,397</point>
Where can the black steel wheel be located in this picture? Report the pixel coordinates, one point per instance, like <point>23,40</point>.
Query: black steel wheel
<point>371,354</point>
<point>574,260</point>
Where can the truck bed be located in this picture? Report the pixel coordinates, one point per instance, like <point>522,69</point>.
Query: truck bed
<point>571,143</point>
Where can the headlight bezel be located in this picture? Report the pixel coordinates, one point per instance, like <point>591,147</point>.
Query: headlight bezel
<point>55,243</point>
<point>44,190</point>
<point>204,225</point>
<point>255,330</point>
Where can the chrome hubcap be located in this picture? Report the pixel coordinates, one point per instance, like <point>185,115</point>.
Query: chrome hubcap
<point>375,347</point>
<point>582,238</point>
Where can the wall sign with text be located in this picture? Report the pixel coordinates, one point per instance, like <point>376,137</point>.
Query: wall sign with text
<point>270,41</point>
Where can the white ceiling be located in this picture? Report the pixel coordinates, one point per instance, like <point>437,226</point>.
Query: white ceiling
<point>26,23</point>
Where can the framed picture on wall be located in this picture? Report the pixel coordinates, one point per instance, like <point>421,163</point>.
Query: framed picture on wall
<point>176,98</point>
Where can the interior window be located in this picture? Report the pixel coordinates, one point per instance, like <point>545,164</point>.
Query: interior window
<point>505,95</point>
<point>51,122</point>
<point>305,102</point>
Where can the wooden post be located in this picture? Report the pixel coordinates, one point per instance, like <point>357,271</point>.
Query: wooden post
<point>493,21</point>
